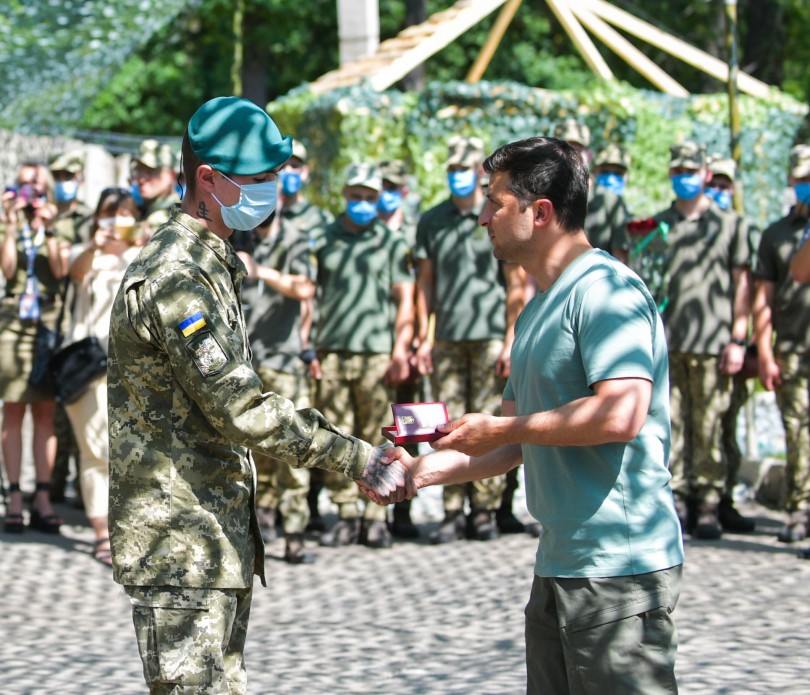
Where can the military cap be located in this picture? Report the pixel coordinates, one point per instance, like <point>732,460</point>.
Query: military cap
<point>688,154</point>
<point>299,151</point>
<point>465,151</point>
<point>723,166</point>
<point>155,155</point>
<point>364,174</point>
<point>395,171</point>
<point>800,161</point>
<point>72,161</point>
<point>235,136</point>
<point>572,130</point>
<point>613,154</point>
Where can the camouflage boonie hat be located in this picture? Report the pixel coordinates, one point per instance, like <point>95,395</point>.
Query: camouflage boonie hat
<point>723,166</point>
<point>688,155</point>
<point>154,155</point>
<point>299,151</point>
<point>465,151</point>
<point>395,171</point>
<point>364,174</point>
<point>571,130</point>
<point>72,161</point>
<point>612,154</point>
<point>800,161</point>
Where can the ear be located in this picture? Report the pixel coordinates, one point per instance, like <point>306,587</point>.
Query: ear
<point>205,178</point>
<point>543,211</point>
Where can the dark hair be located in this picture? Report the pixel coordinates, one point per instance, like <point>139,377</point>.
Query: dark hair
<point>191,162</point>
<point>548,168</point>
<point>114,197</point>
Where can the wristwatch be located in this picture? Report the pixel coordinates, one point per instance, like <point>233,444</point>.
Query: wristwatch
<point>737,341</point>
<point>49,233</point>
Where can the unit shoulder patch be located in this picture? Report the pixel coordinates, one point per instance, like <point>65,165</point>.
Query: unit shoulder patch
<point>207,353</point>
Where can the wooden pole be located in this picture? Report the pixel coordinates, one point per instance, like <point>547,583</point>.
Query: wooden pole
<point>581,40</point>
<point>628,52</point>
<point>238,47</point>
<point>496,33</point>
<point>674,46</point>
<point>733,105</point>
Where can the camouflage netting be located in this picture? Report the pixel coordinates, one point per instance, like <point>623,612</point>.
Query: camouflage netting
<point>57,55</point>
<point>359,124</point>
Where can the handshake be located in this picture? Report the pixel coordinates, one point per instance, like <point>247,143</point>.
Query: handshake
<point>385,478</point>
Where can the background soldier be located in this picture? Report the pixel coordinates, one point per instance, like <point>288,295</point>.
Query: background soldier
<point>155,182</point>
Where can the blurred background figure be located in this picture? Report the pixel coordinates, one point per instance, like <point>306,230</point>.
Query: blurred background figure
<point>154,182</point>
<point>606,222</point>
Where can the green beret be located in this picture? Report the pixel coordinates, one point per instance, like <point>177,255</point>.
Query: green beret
<point>235,136</point>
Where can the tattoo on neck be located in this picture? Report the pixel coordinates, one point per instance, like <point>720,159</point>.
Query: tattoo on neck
<point>202,211</point>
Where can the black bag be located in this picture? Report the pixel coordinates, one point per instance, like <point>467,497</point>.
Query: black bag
<point>74,367</point>
<point>45,345</point>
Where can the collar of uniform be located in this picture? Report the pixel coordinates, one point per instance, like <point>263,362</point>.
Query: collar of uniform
<point>205,236</point>
<point>295,209</point>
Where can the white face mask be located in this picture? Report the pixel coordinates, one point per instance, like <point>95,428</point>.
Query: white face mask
<point>256,202</point>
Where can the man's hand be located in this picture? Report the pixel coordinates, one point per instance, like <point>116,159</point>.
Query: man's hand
<point>732,358</point>
<point>385,478</point>
<point>769,373</point>
<point>474,434</point>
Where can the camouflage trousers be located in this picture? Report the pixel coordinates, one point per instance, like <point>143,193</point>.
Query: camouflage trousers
<point>731,448</point>
<point>191,641</point>
<point>351,394</point>
<point>794,405</point>
<point>699,399</point>
<point>464,378</point>
<point>279,485</point>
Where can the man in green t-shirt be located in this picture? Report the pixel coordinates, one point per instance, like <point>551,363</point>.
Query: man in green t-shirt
<point>707,264</point>
<point>586,409</point>
<point>295,207</point>
<point>782,327</point>
<point>475,299</point>
<point>363,335</point>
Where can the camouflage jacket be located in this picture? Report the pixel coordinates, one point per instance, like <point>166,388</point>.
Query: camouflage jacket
<point>185,406</point>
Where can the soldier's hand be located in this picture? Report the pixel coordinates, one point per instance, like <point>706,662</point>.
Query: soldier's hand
<point>385,478</point>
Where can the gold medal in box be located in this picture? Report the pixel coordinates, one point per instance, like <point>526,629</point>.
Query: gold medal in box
<point>416,422</point>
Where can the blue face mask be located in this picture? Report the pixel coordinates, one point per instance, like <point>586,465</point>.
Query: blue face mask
<point>290,182</point>
<point>256,202</point>
<point>722,198</point>
<point>462,183</point>
<point>65,191</point>
<point>361,212</point>
<point>180,190</point>
<point>136,194</point>
<point>802,190</point>
<point>611,182</point>
<point>687,186</point>
<point>389,201</point>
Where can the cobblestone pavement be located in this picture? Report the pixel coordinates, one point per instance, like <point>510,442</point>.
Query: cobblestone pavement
<point>416,619</point>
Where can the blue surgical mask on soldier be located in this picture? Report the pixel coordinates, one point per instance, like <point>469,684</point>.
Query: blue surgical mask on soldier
<point>612,182</point>
<point>256,202</point>
<point>462,183</point>
<point>65,191</point>
<point>136,194</point>
<point>722,198</point>
<point>290,182</point>
<point>687,186</point>
<point>361,212</point>
<point>389,201</point>
<point>802,191</point>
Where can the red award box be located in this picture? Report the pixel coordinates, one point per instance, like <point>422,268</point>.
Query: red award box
<point>416,422</point>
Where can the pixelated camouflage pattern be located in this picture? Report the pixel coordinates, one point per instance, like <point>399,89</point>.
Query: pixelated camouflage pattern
<point>159,211</point>
<point>181,482</point>
<point>699,399</point>
<point>464,378</point>
<point>191,640</point>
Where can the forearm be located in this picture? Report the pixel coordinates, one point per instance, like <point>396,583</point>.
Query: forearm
<point>294,286</point>
<point>454,468</point>
<point>742,304</point>
<point>9,251</point>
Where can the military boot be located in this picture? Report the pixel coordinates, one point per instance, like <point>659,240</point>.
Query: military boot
<point>376,534</point>
<point>344,532</point>
<point>707,523</point>
<point>401,525</point>
<point>731,520</point>
<point>267,518</point>
<point>294,551</point>
<point>481,526</point>
<point>795,528</point>
<point>450,529</point>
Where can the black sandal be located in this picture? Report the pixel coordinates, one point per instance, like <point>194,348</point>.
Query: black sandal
<point>103,555</point>
<point>13,523</point>
<point>46,524</point>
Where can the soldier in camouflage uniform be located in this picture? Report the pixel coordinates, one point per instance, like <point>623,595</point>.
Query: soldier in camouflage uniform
<point>606,223</point>
<point>186,407</point>
<point>782,309</point>
<point>721,190</point>
<point>155,182</point>
<point>72,222</point>
<point>707,263</point>
<point>476,300</point>
<point>280,279</point>
<point>363,337</point>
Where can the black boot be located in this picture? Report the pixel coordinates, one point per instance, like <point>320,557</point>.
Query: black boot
<point>731,520</point>
<point>707,525</point>
<point>451,528</point>
<point>481,525</point>
<point>401,525</point>
<point>294,552</point>
<point>344,532</point>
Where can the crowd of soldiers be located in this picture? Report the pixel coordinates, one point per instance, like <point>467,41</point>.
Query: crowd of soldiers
<point>379,305</point>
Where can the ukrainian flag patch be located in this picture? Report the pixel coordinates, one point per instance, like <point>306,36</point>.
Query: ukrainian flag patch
<point>192,324</point>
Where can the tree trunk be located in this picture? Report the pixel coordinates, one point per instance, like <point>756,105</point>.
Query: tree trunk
<point>415,13</point>
<point>763,45</point>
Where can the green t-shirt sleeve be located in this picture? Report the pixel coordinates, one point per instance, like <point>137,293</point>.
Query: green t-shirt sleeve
<point>614,325</point>
<point>401,269</point>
